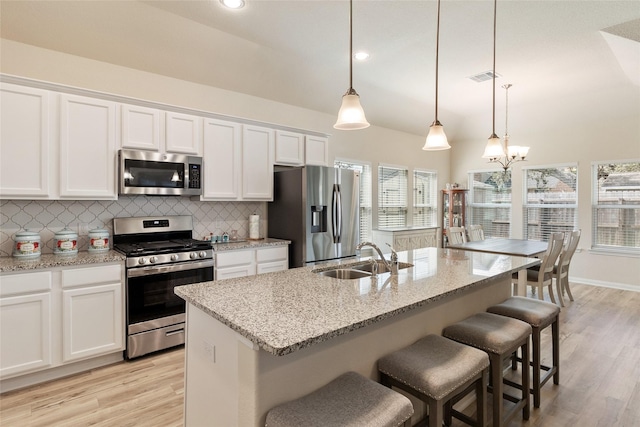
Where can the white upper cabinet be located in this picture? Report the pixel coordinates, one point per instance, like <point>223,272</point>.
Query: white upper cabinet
<point>221,153</point>
<point>182,133</point>
<point>316,150</point>
<point>87,148</point>
<point>25,136</point>
<point>140,127</point>
<point>289,148</point>
<point>257,163</point>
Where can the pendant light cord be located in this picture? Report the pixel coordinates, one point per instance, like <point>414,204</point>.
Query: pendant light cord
<point>350,46</point>
<point>506,109</point>
<point>495,7</point>
<point>437,51</point>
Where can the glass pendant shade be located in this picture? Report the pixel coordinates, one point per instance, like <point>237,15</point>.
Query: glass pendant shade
<point>436,139</point>
<point>494,148</point>
<point>351,115</point>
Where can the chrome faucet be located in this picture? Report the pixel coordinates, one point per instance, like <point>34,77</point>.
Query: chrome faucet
<point>392,265</point>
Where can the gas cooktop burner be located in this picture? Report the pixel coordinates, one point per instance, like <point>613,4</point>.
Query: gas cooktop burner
<point>162,246</point>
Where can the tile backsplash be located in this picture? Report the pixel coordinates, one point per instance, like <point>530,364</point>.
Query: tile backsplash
<point>47,217</point>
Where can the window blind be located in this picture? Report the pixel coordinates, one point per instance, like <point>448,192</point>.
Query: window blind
<point>551,203</point>
<point>489,202</point>
<point>365,195</point>
<point>425,198</point>
<point>616,206</point>
<point>392,196</point>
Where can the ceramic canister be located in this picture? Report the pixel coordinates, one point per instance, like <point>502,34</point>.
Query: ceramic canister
<point>26,244</point>
<point>98,240</point>
<point>65,242</point>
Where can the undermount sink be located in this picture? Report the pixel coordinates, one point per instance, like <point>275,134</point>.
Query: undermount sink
<point>358,271</point>
<point>382,267</point>
<point>345,273</point>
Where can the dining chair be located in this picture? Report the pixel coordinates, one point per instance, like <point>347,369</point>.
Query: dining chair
<point>475,233</point>
<point>542,276</point>
<point>561,269</point>
<point>456,235</point>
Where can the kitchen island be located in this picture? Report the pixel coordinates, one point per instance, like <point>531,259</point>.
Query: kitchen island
<point>255,342</point>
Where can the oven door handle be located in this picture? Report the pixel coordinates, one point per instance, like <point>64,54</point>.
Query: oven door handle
<point>145,271</point>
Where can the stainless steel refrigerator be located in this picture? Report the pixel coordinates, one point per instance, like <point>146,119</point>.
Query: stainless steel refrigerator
<point>315,207</point>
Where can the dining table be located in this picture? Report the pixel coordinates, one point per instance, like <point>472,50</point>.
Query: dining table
<point>513,247</point>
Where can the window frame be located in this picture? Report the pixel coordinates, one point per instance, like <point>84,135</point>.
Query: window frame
<point>433,198</point>
<point>402,208</point>
<point>489,232</point>
<point>596,246</point>
<point>526,205</point>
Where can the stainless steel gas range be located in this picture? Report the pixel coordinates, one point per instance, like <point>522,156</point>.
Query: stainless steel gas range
<point>161,254</point>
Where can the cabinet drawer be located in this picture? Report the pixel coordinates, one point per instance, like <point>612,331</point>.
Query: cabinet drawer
<point>14,284</point>
<point>231,258</point>
<point>91,275</point>
<point>272,254</point>
<point>270,267</point>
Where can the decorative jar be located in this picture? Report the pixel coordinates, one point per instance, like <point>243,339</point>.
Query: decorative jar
<point>26,244</point>
<point>98,240</point>
<point>65,242</point>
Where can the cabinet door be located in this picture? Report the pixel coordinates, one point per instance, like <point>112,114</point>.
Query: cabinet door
<point>289,148</point>
<point>87,148</point>
<point>222,163</point>
<point>25,327</point>
<point>140,127</point>
<point>24,142</point>
<point>91,321</point>
<point>182,133</point>
<point>257,163</point>
<point>316,151</point>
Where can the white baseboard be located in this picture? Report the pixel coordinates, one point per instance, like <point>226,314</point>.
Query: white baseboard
<point>603,284</point>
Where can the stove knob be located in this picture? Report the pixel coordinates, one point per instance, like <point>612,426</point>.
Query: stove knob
<point>193,255</point>
<point>153,259</point>
<point>142,260</point>
<point>174,257</point>
<point>202,254</point>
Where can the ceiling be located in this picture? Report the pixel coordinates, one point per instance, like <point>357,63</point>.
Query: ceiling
<point>296,52</point>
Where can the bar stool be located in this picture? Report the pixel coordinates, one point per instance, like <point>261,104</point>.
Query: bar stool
<point>538,314</point>
<point>499,336</point>
<point>436,370</point>
<point>349,400</point>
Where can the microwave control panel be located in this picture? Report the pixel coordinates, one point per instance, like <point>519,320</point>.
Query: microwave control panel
<point>194,176</point>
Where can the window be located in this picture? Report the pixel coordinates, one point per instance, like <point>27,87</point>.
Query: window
<point>365,194</point>
<point>551,203</point>
<point>392,196</point>
<point>489,204</point>
<point>425,198</point>
<point>616,206</point>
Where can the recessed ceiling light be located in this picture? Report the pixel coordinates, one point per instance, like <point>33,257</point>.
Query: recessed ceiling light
<point>361,56</point>
<point>233,4</point>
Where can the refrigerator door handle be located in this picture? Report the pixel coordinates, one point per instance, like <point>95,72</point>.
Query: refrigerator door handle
<point>336,218</point>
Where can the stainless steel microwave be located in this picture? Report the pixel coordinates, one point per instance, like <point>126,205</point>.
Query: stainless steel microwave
<point>157,174</point>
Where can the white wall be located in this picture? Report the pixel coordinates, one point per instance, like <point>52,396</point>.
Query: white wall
<point>555,135</point>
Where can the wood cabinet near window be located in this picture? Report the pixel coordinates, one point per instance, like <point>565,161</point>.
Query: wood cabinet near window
<point>407,238</point>
<point>453,210</point>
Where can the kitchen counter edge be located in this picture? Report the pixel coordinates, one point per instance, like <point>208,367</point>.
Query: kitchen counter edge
<point>16,265</point>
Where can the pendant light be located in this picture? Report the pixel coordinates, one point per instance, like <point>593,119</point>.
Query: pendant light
<point>436,139</point>
<point>495,151</point>
<point>351,115</point>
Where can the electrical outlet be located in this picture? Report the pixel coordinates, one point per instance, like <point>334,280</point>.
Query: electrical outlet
<point>209,351</point>
<point>83,229</point>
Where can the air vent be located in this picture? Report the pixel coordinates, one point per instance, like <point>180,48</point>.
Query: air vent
<point>483,77</point>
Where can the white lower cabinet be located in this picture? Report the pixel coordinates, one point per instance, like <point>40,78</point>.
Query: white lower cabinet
<point>92,312</point>
<point>248,262</point>
<point>25,323</point>
<point>51,318</point>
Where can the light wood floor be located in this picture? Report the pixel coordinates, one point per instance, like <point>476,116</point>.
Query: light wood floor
<point>599,380</point>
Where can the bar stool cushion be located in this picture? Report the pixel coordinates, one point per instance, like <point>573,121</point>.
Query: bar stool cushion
<point>434,365</point>
<point>489,332</point>
<point>538,314</point>
<point>349,400</point>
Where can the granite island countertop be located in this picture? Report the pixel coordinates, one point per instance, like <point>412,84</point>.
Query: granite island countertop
<point>13,264</point>
<point>248,244</point>
<point>283,312</point>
